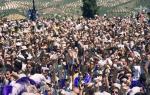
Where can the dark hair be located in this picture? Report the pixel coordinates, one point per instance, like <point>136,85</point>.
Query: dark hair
<point>140,93</point>
<point>9,68</point>
<point>17,66</point>
<point>142,78</point>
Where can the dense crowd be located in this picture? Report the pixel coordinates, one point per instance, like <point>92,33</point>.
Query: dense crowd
<point>100,56</point>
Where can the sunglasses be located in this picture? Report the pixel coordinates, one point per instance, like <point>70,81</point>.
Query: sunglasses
<point>115,92</point>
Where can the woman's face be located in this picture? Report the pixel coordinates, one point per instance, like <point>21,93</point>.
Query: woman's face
<point>115,92</point>
<point>129,76</point>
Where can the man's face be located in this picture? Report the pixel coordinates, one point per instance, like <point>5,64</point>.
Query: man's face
<point>45,73</point>
<point>8,75</point>
<point>29,67</point>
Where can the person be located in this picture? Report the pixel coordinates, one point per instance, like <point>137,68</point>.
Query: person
<point>104,55</point>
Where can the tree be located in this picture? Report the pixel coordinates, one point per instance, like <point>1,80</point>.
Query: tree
<point>89,8</point>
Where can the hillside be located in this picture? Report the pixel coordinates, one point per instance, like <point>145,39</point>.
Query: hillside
<point>47,8</point>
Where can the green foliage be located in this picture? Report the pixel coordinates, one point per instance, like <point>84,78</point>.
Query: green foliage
<point>89,8</point>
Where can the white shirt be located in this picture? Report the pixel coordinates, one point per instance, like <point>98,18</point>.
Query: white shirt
<point>136,72</point>
<point>38,78</point>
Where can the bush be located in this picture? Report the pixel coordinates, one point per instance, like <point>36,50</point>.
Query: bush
<point>89,8</point>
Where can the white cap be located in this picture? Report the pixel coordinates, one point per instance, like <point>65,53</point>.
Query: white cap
<point>117,85</point>
<point>18,44</point>
<point>45,68</point>
<point>23,48</point>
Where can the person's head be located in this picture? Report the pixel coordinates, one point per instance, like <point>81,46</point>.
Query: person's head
<point>29,67</point>
<point>17,66</point>
<point>115,91</point>
<point>129,76</point>
<point>8,74</point>
<point>142,78</point>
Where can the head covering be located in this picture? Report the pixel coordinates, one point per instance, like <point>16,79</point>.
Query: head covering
<point>117,85</point>
<point>18,44</point>
<point>23,48</point>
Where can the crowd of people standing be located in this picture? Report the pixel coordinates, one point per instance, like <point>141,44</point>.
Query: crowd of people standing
<point>100,56</point>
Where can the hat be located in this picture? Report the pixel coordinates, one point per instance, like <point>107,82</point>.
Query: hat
<point>23,48</point>
<point>18,44</point>
<point>44,68</point>
<point>117,85</point>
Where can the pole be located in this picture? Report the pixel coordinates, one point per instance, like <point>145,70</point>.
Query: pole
<point>33,4</point>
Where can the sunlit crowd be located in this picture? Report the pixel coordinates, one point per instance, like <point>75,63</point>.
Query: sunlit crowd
<point>100,56</point>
